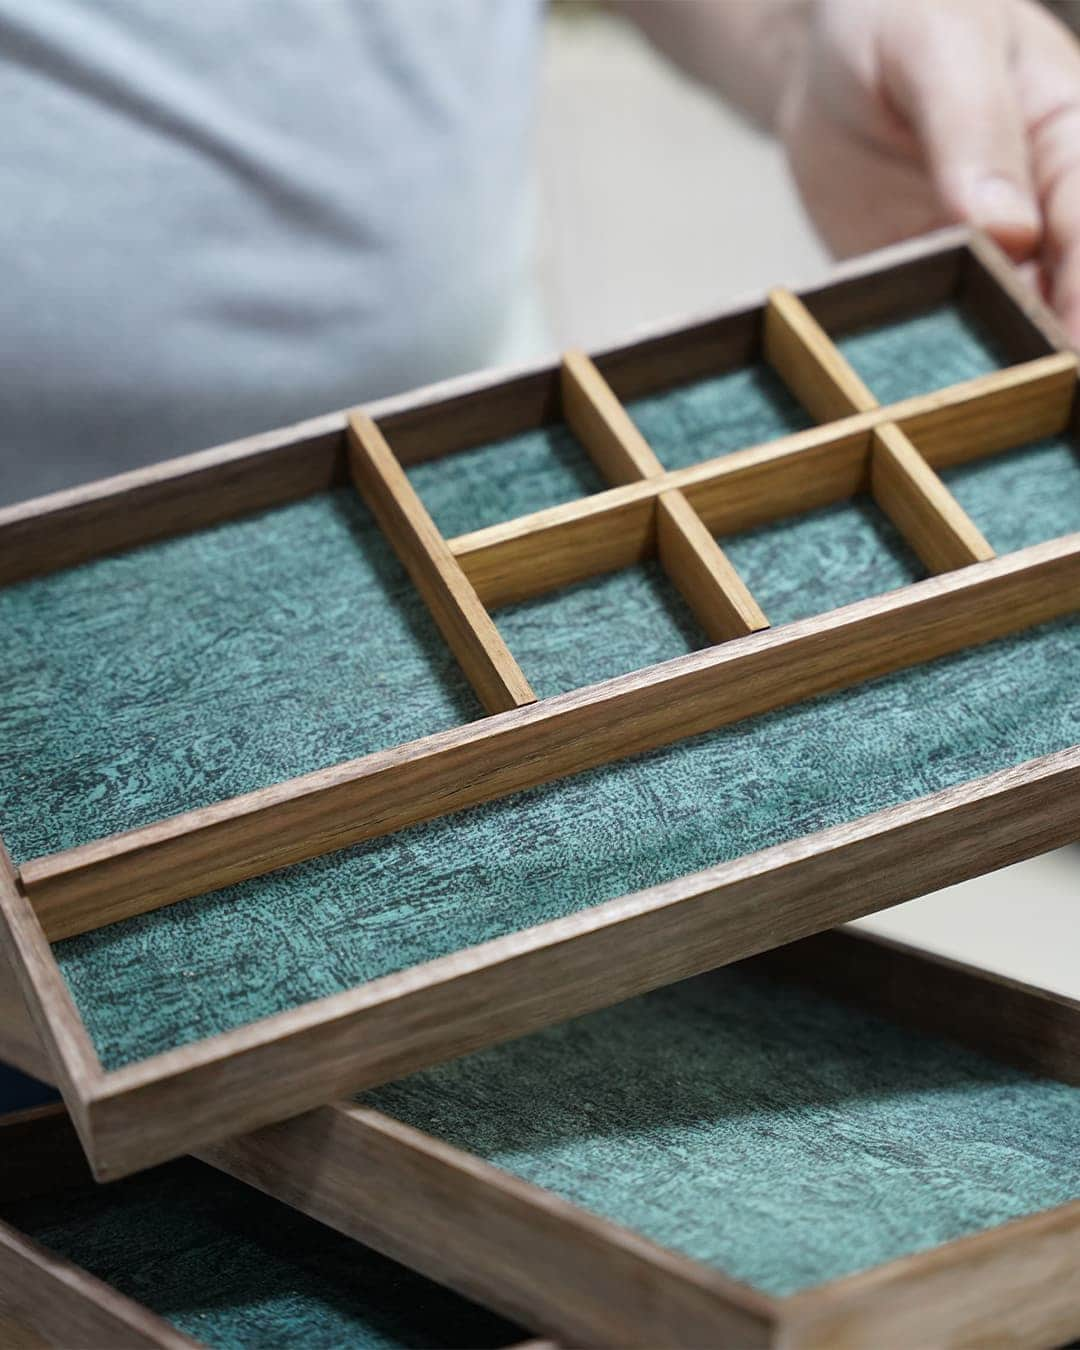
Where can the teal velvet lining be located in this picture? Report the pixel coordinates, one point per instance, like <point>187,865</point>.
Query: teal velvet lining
<point>807,564</point>
<point>1023,496</point>
<point>715,416</point>
<point>505,479</point>
<point>763,1130</point>
<point>208,665</point>
<point>237,1270</point>
<point>606,626</point>
<point>938,347</point>
<point>243,654</point>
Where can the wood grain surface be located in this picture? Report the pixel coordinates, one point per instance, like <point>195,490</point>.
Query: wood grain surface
<point>810,364</point>
<point>437,575</point>
<point>719,598</point>
<point>920,505</point>
<point>602,424</point>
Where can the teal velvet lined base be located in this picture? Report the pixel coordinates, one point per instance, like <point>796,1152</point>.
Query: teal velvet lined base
<point>239,1271</point>
<point>282,648</point>
<point>928,351</point>
<point>208,665</point>
<point>766,1131</point>
<point>605,626</point>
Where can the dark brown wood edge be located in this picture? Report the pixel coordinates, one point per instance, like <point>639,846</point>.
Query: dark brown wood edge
<point>1013,1285</point>
<point>46,999</point>
<point>854,298</point>
<point>20,1044</point>
<point>1031,1028</point>
<point>40,1154</point>
<point>404,1192</point>
<point>191,1096</point>
<point>992,289</point>
<point>489,1235</point>
<point>70,1308</point>
<point>205,849</point>
<point>266,470</point>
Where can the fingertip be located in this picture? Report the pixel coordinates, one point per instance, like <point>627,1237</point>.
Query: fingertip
<point>1070,318</point>
<point>1008,213</point>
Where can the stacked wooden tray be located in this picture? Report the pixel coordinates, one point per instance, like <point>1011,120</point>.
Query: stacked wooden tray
<point>621,670</point>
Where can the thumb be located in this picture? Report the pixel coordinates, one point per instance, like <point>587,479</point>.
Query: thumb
<point>946,68</point>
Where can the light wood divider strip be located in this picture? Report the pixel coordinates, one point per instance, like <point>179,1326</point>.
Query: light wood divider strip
<point>750,487</point>
<point>229,841</point>
<point>602,424</point>
<point>714,591</point>
<point>920,505</point>
<point>808,361</point>
<point>903,484</point>
<point>436,573</point>
<point>702,571</point>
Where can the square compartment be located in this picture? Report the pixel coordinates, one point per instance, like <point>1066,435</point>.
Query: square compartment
<point>922,352</point>
<point>809,564</point>
<point>1022,496</point>
<point>605,626</point>
<point>715,416</point>
<point>504,479</point>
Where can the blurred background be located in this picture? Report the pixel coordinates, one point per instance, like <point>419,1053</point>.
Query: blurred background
<point>633,227</point>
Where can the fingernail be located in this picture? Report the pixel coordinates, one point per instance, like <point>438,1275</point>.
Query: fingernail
<point>999,202</point>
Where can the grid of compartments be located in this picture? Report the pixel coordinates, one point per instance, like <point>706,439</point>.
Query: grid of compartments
<point>897,456</point>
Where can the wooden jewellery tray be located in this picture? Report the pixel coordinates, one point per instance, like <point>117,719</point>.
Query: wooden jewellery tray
<point>925,1124</point>
<point>533,790</point>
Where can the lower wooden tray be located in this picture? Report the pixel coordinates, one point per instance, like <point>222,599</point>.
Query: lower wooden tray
<point>741,1159</point>
<point>184,1256</point>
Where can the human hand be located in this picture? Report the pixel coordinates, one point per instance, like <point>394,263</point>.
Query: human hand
<point>904,115</point>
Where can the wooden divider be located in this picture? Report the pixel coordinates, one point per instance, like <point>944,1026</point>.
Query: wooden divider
<point>699,567</point>
<point>920,505</point>
<point>602,424</point>
<point>809,363</point>
<point>436,573</point>
<point>749,487</point>
<point>903,484</point>
<point>688,553</point>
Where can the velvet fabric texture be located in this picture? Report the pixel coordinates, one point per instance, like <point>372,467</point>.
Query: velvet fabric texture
<point>764,1130</point>
<point>239,1271</point>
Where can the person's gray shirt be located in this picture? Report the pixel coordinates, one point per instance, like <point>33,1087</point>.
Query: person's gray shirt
<point>218,218</point>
